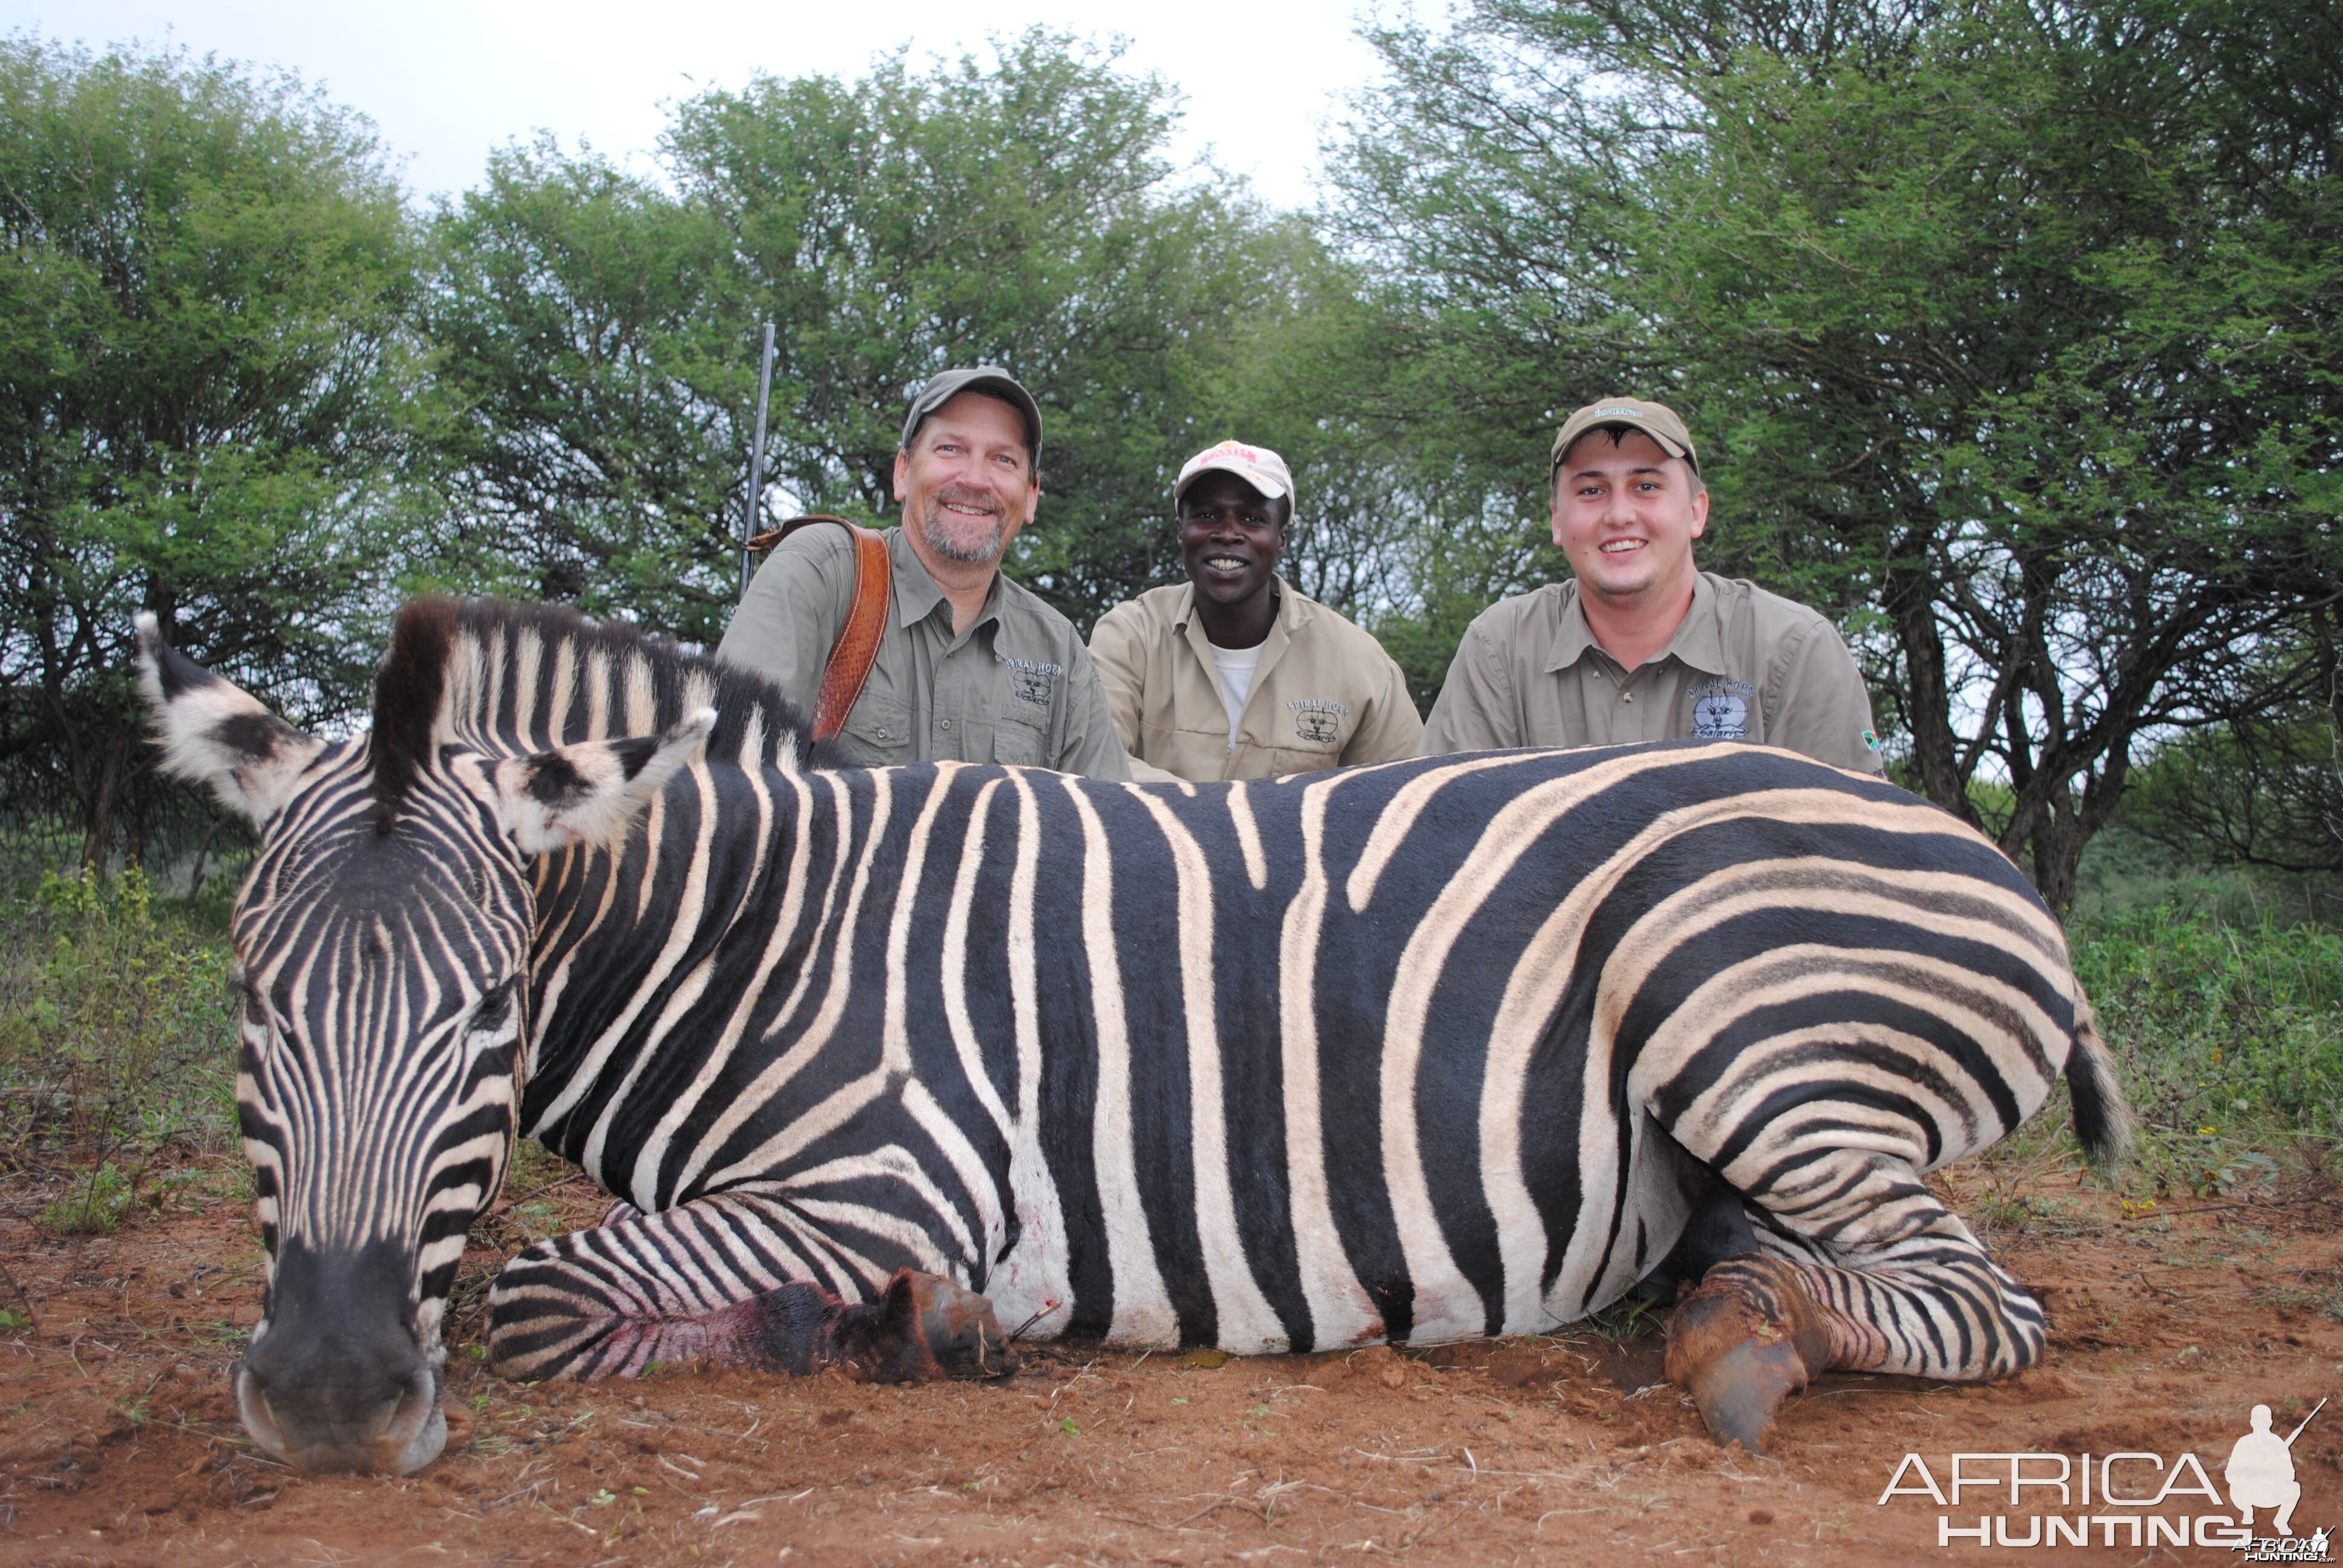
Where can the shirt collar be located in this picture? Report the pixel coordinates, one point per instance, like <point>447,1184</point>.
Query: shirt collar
<point>916,593</point>
<point>1291,613</point>
<point>1698,643</point>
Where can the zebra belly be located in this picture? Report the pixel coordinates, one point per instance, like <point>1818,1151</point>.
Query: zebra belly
<point>1035,1281</point>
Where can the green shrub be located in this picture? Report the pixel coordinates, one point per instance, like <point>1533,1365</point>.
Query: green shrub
<point>117,1043</point>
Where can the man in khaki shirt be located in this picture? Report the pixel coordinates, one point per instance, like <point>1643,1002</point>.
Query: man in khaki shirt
<point>972,667</point>
<point>1642,645</point>
<point>1232,674</point>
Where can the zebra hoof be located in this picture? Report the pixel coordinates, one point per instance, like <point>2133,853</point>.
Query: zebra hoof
<point>1739,1391</point>
<point>924,1328</point>
<point>1746,1340</point>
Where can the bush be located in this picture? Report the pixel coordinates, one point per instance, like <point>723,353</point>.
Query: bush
<point>91,1205</point>
<point>117,1043</point>
<point>2230,1034</point>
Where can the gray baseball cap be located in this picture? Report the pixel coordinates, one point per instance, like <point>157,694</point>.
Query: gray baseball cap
<point>989,379</point>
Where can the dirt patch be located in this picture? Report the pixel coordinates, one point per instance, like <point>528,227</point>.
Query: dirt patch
<point>118,1443</point>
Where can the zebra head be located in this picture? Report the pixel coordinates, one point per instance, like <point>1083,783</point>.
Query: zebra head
<point>382,940</point>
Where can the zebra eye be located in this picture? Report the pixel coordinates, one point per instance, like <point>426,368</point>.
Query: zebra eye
<point>254,1002</point>
<point>494,1010</point>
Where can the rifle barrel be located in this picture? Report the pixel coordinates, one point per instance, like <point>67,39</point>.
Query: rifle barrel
<point>757,463</point>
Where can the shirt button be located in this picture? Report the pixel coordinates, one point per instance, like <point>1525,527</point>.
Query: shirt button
<point>1626,697</point>
<point>947,724</point>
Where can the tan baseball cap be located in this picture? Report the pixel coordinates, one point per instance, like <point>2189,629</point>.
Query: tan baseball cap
<point>1259,466</point>
<point>1656,420</point>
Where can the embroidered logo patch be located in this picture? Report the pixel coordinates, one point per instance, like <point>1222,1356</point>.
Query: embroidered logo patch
<point>1318,721</point>
<point>1032,682</point>
<point>1720,710</point>
<point>1871,740</point>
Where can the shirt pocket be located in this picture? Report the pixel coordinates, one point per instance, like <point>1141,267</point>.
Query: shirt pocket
<point>1017,744</point>
<point>879,731</point>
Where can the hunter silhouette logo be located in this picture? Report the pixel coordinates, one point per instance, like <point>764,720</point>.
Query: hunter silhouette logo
<point>2260,1474</point>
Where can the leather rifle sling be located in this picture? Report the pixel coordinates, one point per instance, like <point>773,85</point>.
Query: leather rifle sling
<point>857,646</point>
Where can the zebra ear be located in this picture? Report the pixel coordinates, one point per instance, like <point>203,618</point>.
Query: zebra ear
<point>214,733</point>
<point>589,792</point>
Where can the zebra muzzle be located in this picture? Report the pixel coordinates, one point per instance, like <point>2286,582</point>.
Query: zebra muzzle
<point>336,1377</point>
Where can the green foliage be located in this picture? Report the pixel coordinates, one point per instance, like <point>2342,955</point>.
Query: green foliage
<point>116,1041</point>
<point>2231,1036</point>
<point>601,330</point>
<point>207,391</point>
<point>2264,791</point>
<point>2008,330</point>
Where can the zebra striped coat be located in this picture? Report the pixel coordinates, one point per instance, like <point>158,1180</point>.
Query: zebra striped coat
<point>1411,1052</point>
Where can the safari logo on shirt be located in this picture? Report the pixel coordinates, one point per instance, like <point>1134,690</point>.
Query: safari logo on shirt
<point>1032,682</point>
<point>1720,710</point>
<point>1318,721</point>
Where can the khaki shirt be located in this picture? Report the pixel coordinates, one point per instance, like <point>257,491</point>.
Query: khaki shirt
<point>1016,687</point>
<point>1324,694</point>
<point>1746,664</point>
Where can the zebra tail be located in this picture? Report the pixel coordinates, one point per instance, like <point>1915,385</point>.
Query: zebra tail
<point>2103,1118</point>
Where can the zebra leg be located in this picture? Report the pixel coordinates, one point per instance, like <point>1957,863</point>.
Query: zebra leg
<point>710,1280</point>
<point>1718,1229</point>
<point>1859,1268</point>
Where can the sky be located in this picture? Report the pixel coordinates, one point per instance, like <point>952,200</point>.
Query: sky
<point>446,81</point>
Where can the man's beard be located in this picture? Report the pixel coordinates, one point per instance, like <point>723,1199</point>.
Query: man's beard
<point>936,527</point>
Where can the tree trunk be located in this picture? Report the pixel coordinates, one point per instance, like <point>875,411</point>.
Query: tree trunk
<point>103,802</point>
<point>1927,700</point>
<point>203,855</point>
<point>2058,847</point>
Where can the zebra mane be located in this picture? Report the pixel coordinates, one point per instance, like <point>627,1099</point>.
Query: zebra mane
<point>524,677</point>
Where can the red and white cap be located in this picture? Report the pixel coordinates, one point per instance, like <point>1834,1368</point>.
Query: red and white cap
<point>1259,466</point>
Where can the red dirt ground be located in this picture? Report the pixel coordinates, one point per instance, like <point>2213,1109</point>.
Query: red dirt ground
<point>118,1443</point>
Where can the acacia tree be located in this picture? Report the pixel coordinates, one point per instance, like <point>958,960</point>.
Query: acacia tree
<point>2011,329</point>
<point>602,330</point>
<point>203,369</point>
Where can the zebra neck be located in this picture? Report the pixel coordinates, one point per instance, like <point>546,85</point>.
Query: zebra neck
<point>677,934</point>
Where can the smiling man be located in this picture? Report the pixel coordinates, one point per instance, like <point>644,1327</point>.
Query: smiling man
<point>972,667</point>
<point>1642,645</point>
<point>1232,674</point>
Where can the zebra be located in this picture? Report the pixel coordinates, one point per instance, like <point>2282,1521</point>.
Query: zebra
<point>877,1060</point>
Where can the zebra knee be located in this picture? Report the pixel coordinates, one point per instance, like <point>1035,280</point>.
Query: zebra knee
<point>2026,1330</point>
<point>539,1324</point>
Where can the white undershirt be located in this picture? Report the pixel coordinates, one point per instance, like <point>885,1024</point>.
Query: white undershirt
<point>1236,665</point>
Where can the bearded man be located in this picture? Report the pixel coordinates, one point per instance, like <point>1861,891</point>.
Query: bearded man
<point>972,667</point>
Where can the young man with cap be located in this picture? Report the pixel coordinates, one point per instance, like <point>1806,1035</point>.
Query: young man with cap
<point>971,668</point>
<point>1642,645</point>
<point>1232,674</point>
